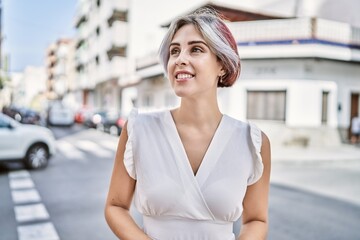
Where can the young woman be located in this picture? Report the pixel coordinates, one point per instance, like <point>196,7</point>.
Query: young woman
<point>193,171</point>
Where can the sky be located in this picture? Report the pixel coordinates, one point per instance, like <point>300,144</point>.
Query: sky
<point>30,26</point>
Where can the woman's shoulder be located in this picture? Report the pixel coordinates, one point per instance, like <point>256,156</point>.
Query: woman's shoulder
<point>146,116</point>
<point>238,124</point>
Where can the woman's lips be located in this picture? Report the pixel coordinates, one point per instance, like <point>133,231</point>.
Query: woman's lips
<point>182,77</point>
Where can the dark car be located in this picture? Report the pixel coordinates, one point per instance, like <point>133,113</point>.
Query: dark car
<point>93,120</point>
<point>23,115</point>
<point>112,122</point>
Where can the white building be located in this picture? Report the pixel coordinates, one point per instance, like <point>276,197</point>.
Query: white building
<point>60,64</point>
<point>29,87</point>
<point>101,50</point>
<point>300,79</point>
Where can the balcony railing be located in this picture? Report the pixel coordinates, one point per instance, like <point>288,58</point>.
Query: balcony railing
<point>295,30</point>
<point>118,15</point>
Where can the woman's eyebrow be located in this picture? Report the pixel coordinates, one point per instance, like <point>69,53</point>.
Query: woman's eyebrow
<point>174,44</point>
<point>189,43</point>
<point>197,42</point>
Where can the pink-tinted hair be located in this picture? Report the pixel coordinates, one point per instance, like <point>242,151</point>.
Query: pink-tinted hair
<point>218,37</point>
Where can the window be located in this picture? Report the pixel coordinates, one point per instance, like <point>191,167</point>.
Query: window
<point>266,105</point>
<point>97,31</point>
<point>97,60</point>
<point>98,3</point>
<point>324,109</point>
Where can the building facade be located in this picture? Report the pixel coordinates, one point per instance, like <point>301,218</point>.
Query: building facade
<point>60,65</point>
<point>300,61</point>
<point>28,88</point>
<point>101,51</point>
<point>300,79</point>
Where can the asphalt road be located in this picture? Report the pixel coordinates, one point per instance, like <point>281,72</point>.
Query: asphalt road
<point>303,199</point>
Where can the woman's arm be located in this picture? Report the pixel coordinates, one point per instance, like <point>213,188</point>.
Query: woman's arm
<point>255,213</point>
<point>119,198</point>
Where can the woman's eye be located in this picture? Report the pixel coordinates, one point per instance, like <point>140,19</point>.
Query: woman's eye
<point>197,49</point>
<point>174,51</point>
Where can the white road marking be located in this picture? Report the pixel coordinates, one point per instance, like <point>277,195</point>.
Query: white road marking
<point>23,191</point>
<point>41,231</point>
<point>110,145</point>
<point>92,147</point>
<point>25,196</point>
<point>70,151</point>
<point>32,212</point>
<point>20,183</point>
<point>19,174</point>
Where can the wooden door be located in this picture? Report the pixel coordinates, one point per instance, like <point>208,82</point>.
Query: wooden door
<point>354,109</point>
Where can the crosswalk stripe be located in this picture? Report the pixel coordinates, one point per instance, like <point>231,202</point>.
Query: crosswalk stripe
<point>21,183</point>
<point>25,196</point>
<point>31,212</point>
<point>19,174</point>
<point>110,145</point>
<point>29,209</point>
<point>92,147</point>
<point>70,151</point>
<point>41,231</point>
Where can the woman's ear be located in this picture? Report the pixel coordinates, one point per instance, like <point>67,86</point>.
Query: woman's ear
<point>222,72</point>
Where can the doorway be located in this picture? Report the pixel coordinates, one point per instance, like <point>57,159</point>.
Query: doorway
<point>354,109</point>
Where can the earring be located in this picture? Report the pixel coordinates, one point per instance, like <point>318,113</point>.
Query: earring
<point>221,80</point>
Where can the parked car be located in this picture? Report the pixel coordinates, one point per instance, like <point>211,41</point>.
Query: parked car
<point>61,115</point>
<point>23,115</point>
<point>93,120</point>
<point>113,122</point>
<point>34,145</point>
<point>83,114</point>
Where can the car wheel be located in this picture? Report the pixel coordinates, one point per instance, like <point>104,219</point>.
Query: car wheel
<point>114,130</point>
<point>37,156</point>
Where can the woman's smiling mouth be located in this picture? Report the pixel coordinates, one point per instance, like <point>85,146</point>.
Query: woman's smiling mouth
<point>181,77</point>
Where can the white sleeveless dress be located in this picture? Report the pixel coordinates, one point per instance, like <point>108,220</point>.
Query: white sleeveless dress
<point>176,205</point>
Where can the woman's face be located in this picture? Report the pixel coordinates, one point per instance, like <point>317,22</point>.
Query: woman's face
<point>192,68</point>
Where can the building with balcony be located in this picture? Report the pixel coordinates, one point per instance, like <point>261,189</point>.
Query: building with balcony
<point>300,62</point>
<point>60,65</point>
<point>101,51</point>
<point>300,79</point>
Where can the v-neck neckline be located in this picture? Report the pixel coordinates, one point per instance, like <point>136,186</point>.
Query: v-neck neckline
<point>207,155</point>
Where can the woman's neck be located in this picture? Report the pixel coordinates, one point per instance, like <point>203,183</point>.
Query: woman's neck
<point>197,113</point>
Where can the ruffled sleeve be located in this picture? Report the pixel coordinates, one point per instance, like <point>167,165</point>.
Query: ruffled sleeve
<point>128,155</point>
<point>255,134</point>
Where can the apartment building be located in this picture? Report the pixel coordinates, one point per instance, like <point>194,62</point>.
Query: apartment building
<point>101,51</point>
<point>300,78</point>
<point>300,75</point>
<point>60,65</point>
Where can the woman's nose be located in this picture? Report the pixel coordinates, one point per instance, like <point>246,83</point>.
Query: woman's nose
<point>181,59</point>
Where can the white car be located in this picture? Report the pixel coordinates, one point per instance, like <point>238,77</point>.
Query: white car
<point>61,115</point>
<point>32,144</point>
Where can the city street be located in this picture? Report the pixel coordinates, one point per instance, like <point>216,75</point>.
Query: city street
<point>307,201</point>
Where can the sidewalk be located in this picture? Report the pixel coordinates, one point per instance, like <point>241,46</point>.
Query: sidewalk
<point>329,171</point>
<point>343,152</point>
